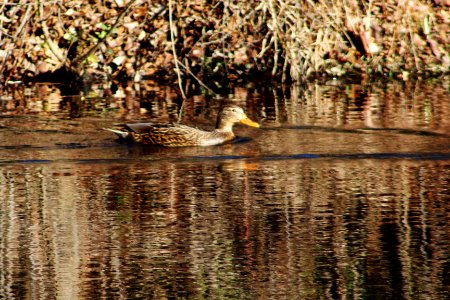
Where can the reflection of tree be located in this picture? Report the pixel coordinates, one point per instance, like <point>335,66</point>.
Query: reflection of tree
<point>388,105</point>
<point>410,105</point>
<point>309,228</point>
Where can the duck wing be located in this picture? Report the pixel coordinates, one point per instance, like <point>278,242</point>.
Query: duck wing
<point>147,127</point>
<point>169,135</point>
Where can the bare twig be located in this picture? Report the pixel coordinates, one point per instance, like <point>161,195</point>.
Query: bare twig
<point>287,37</point>
<point>25,20</point>
<point>174,53</point>
<point>57,52</point>
<point>196,78</point>
<point>94,48</point>
<point>276,36</point>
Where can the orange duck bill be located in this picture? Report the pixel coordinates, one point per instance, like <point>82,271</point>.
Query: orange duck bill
<point>249,122</point>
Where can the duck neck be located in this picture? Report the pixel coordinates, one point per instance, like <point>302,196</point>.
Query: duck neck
<point>224,126</point>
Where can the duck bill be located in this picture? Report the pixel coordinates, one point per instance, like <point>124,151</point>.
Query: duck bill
<point>249,122</point>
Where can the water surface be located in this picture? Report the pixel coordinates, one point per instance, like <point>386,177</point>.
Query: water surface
<point>343,193</point>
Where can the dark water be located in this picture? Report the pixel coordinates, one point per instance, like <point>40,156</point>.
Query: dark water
<point>342,194</point>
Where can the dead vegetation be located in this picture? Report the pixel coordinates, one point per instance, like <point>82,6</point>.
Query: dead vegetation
<point>218,41</point>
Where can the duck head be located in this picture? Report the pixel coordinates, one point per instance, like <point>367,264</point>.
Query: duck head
<point>230,115</point>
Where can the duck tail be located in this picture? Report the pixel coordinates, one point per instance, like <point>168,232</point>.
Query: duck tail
<point>121,134</point>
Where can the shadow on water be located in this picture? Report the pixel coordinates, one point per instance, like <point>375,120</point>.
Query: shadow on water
<point>343,193</point>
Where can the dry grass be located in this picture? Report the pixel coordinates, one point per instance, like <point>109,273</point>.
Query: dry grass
<point>224,40</point>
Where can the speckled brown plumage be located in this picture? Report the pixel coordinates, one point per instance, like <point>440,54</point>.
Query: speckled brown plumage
<point>178,135</point>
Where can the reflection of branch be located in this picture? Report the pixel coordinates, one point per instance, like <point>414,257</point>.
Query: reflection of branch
<point>52,46</point>
<point>102,40</point>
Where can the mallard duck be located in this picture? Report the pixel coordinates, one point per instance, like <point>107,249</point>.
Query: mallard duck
<point>178,135</point>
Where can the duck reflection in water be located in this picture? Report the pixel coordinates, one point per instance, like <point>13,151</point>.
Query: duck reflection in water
<point>179,135</point>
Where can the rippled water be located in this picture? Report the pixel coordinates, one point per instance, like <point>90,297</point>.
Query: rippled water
<point>343,193</point>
